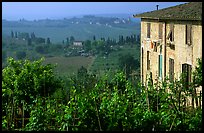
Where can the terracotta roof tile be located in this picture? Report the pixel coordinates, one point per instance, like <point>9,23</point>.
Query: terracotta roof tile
<point>187,11</point>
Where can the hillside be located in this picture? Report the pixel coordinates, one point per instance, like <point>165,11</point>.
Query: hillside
<point>81,28</point>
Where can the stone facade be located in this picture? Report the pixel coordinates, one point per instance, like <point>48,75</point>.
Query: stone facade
<point>170,46</point>
<point>181,52</point>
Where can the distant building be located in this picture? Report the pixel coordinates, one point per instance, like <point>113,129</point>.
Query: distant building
<point>116,22</point>
<point>171,41</point>
<point>78,43</point>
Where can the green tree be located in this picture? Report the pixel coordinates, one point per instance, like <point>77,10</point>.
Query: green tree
<point>4,55</point>
<point>29,41</point>
<point>41,49</point>
<point>94,38</point>
<point>48,40</point>
<point>197,74</point>
<point>32,36</point>
<point>87,45</point>
<point>71,40</point>
<point>23,35</point>
<point>128,63</point>
<point>39,40</point>
<point>24,80</point>
<point>16,35</point>
<point>67,42</point>
<point>20,55</point>
<point>12,34</point>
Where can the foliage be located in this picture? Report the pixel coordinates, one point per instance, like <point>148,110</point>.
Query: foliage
<point>24,81</point>
<point>37,78</point>
<point>42,49</point>
<point>128,64</point>
<point>39,40</point>
<point>20,55</point>
<point>48,40</point>
<point>108,105</point>
<point>197,75</point>
<point>4,55</point>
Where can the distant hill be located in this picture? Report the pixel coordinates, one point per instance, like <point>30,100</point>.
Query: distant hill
<point>82,28</point>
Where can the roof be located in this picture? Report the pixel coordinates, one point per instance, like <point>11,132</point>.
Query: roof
<point>187,11</point>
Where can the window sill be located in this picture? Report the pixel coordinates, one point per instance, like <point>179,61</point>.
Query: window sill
<point>189,44</point>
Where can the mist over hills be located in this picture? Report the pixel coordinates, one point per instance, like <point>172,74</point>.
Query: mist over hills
<point>81,27</point>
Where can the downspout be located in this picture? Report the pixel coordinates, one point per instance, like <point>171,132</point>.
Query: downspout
<point>164,50</point>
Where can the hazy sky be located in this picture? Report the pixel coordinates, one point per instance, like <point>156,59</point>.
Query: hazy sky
<point>52,10</point>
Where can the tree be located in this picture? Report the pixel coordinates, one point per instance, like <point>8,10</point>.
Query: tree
<point>26,81</point>
<point>87,45</point>
<point>128,64</point>
<point>29,41</point>
<point>82,73</point>
<point>67,41</point>
<point>12,34</point>
<point>20,55</point>
<point>48,40</point>
<point>72,39</point>
<point>121,40</point>
<point>23,35</point>
<point>138,38</point>
<point>41,49</point>
<point>94,38</point>
<point>16,35</point>
<point>4,55</point>
<point>39,40</point>
<point>32,36</point>
<point>197,74</point>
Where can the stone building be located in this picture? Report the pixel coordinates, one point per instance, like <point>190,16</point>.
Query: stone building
<point>171,41</point>
<point>78,43</point>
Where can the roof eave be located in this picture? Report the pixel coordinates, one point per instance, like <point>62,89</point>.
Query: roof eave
<point>167,18</point>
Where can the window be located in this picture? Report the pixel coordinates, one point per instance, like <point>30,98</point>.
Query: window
<point>160,66</point>
<point>171,33</point>
<point>148,61</point>
<point>160,31</point>
<point>171,69</point>
<point>188,34</point>
<point>186,71</point>
<point>148,30</point>
<point>155,46</point>
<point>160,49</point>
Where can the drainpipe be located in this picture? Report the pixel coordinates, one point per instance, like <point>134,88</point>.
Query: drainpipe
<point>164,49</point>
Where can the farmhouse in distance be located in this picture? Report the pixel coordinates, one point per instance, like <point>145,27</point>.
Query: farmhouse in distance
<point>171,42</point>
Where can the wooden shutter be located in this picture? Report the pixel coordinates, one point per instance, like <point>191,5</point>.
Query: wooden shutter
<point>160,66</point>
<point>148,61</point>
<point>148,30</point>
<point>160,31</point>
<point>188,34</point>
<point>186,68</point>
<point>171,69</point>
<point>189,73</point>
<point>172,32</point>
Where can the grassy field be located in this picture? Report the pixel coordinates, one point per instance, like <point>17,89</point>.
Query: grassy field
<point>99,64</point>
<point>69,65</point>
